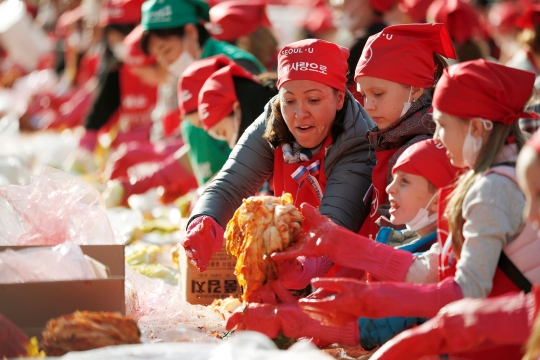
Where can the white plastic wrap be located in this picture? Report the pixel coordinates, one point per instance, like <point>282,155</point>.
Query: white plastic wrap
<point>163,316</point>
<point>52,209</point>
<point>62,262</point>
<point>242,346</point>
<point>123,221</point>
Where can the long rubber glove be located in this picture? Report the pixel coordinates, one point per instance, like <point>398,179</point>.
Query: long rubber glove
<point>465,325</point>
<point>291,321</point>
<point>203,239</point>
<point>171,175</point>
<point>354,299</point>
<point>342,246</point>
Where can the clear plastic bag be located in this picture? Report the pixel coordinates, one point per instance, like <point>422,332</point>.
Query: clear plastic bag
<point>163,316</point>
<point>55,207</point>
<point>62,262</point>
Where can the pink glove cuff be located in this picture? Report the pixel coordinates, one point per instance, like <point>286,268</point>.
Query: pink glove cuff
<point>392,264</point>
<point>217,231</point>
<point>310,268</point>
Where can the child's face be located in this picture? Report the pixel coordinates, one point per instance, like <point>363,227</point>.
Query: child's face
<point>166,50</point>
<point>408,193</point>
<point>383,99</point>
<point>528,173</point>
<point>451,132</point>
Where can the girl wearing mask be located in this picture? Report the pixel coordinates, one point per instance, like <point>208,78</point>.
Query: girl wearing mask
<point>397,96</point>
<point>477,106</point>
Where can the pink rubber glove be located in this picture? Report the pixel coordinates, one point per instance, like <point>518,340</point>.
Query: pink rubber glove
<point>203,239</point>
<point>294,274</point>
<point>465,325</point>
<point>342,246</point>
<point>171,175</point>
<point>89,140</point>
<point>355,299</point>
<point>348,273</point>
<point>273,292</point>
<point>291,321</point>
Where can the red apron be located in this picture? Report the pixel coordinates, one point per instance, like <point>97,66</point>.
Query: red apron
<point>304,181</point>
<point>501,283</point>
<point>378,191</point>
<point>133,117</point>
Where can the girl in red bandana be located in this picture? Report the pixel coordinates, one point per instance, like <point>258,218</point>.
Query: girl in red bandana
<point>395,75</point>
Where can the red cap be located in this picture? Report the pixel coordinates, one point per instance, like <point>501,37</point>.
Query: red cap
<point>193,78</point>
<point>534,142</point>
<point>313,59</point>
<point>484,89</point>
<point>231,19</point>
<point>530,17</point>
<point>117,12</point>
<point>319,19</point>
<point>134,54</point>
<point>218,96</point>
<point>382,6</point>
<point>413,45</point>
<point>459,17</point>
<point>416,9</point>
<point>440,171</point>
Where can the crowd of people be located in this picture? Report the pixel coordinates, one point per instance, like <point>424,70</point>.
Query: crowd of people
<point>405,131</point>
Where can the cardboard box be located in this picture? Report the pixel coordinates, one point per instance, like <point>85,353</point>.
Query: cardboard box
<point>31,305</point>
<point>217,282</point>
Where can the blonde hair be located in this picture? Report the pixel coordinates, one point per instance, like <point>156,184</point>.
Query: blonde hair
<point>486,159</point>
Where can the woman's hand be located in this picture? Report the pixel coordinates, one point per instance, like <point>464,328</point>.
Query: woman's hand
<point>203,239</point>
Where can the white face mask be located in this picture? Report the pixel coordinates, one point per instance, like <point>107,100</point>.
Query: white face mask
<point>182,62</point>
<point>406,105</point>
<point>471,145</point>
<point>422,218</point>
<point>119,51</point>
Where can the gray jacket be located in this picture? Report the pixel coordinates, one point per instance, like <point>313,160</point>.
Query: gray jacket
<point>252,162</point>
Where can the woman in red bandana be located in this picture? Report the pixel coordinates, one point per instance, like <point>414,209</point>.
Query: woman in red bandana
<point>397,96</point>
<point>487,251</point>
<point>310,137</point>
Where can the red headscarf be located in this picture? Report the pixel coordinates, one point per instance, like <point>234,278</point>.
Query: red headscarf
<point>193,78</point>
<point>459,17</point>
<point>117,12</point>
<point>484,89</point>
<point>217,96</point>
<point>231,19</point>
<point>503,15</point>
<point>414,160</point>
<point>404,54</point>
<point>134,54</point>
<point>313,59</point>
<point>530,17</point>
